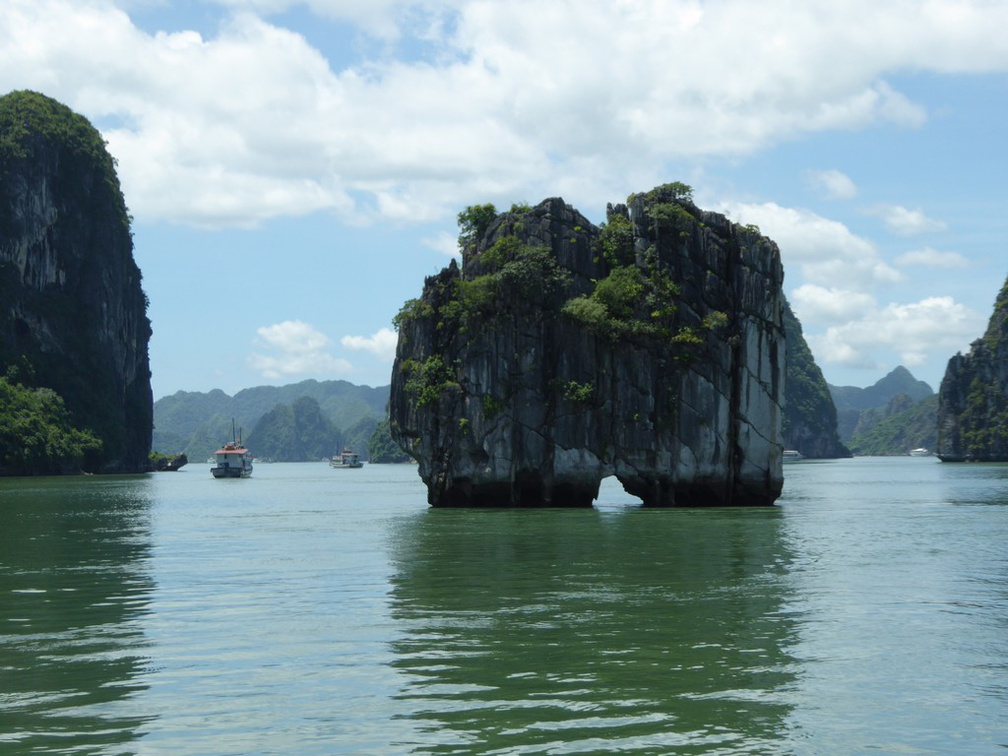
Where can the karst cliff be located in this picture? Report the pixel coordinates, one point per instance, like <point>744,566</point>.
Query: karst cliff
<point>810,417</point>
<point>73,314</point>
<point>973,398</point>
<point>560,353</point>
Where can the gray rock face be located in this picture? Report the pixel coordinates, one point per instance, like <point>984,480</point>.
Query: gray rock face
<point>72,306</point>
<point>973,398</point>
<point>536,370</point>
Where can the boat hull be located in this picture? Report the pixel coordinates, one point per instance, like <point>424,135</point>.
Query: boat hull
<point>231,472</point>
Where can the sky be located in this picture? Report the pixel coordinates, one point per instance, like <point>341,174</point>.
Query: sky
<point>295,169</point>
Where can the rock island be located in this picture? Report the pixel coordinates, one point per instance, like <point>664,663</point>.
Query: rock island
<point>560,353</point>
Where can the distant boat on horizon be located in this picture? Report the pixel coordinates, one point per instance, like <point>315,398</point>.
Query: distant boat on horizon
<point>791,455</point>
<point>347,460</point>
<point>921,452</point>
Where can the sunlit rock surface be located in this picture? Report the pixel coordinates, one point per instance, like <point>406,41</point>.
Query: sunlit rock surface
<point>508,395</point>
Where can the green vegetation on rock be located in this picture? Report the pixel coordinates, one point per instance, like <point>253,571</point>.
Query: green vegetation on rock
<point>37,434</point>
<point>913,427</point>
<point>71,301</point>
<point>810,417</point>
<point>984,422</point>
<point>382,449</point>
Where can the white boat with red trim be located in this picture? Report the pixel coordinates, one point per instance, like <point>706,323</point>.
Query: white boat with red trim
<point>232,460</point>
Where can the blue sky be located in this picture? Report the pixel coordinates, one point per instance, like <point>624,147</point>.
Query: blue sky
<point>294,169</point>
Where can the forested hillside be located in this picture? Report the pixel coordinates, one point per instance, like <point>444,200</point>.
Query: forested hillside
<point>198,422</point>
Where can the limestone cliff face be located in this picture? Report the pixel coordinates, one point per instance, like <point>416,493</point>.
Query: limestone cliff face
<point>562,353</point>
<point>810,416</point>
<point>973,398</point>
<point>72,307</point>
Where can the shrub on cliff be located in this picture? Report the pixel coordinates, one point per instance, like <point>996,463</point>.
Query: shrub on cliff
<point>37,434</point>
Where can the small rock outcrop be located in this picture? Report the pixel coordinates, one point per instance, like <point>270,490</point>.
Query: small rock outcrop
<point>73,314</point>
<point>973,398</point>
<point>170,464</point>
<point>562,353</point>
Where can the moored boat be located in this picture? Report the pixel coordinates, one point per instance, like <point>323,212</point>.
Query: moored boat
<point>232,460</point>
<point>346,460</point>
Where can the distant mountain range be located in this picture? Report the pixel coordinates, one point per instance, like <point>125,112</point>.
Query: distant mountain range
<point>197,423</point>
<point>896,414</point>
<point>891,417</point>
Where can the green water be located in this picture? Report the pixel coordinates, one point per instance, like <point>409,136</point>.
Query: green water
<point>317,611</point>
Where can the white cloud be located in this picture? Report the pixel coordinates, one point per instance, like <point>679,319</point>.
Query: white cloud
<point>252,122</point>
<point>381,343</point>
<point>906,222</point>
<point>932,258</point>
<point>443,242</point>
<point>819,304</point>
<point>825,252</point>
<point>298,349</point>
<point>833,184</point>
<point>915,332</point>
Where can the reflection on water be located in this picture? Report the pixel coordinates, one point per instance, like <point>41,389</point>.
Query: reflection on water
<point>591,632</point>
<point>73,587</point>
<point>312,612</point>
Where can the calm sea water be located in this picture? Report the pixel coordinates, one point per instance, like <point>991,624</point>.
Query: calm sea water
<point>317,611</point>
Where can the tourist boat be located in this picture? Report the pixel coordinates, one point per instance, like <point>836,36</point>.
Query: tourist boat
<point>346,460</point>
<point>792,455</point>
<point>232,460</point>
<point>921,452</point>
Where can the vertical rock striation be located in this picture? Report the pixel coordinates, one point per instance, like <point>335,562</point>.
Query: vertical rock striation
<point>973,398</point>
<point>561,353</point>
<point>73,313</point>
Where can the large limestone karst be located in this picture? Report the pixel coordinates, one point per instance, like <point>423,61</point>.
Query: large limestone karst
<point>73,314</point>
<point>973,398</point>
<point>561,353</point>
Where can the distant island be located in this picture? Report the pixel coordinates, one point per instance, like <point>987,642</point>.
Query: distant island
<point>299,422</point>
<point>892,417</point>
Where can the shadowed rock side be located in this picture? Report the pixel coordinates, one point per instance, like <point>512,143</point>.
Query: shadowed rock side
<point>810,416</point>
<point>73,314</point>
<point>561,353</point>
<point>973,398</point>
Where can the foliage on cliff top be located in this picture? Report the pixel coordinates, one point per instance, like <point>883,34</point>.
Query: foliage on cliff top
<point>996,334</point>
<point>635,298</point>
<point>27,116</point>
<point>633,301</point>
